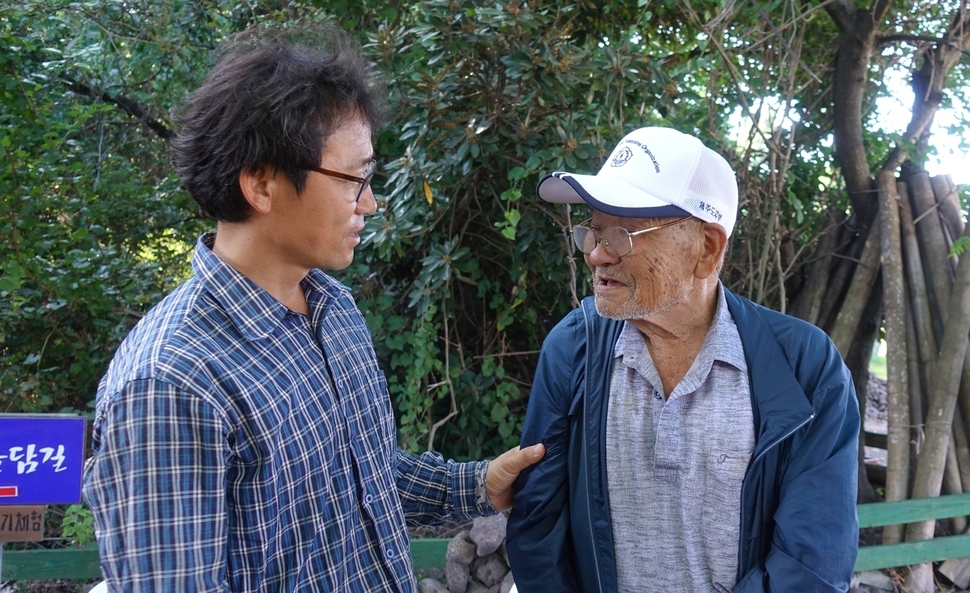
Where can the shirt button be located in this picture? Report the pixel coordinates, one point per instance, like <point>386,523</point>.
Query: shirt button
<point>368,498</point>
<point>656,394</point>
<point>389,553</point>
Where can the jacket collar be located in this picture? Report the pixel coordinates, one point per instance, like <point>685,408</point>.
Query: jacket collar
<point>778,401</point>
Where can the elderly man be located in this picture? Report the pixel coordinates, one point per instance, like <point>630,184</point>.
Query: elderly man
<point>696,442</point>
<point>244,438</point>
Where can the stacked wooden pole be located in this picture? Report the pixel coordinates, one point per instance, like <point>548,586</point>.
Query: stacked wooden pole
<point>927,322</point>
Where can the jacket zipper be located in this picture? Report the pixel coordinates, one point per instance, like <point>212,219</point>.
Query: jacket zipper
<point>589,500</point>
<point>756,459</point>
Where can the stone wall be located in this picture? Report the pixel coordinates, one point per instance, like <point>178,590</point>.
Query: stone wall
<point>476,561</point>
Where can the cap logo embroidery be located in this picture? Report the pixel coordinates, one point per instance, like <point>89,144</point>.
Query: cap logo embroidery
<point>705,207</point>
<point>643,147</point>
<point>621,157</point>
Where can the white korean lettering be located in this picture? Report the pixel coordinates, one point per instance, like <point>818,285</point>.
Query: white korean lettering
<point>58,457</point>
<point>25,461</point>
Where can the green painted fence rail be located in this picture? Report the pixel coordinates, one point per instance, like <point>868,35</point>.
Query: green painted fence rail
<point>878,514</point>
<point>67,563</point>
<point>83,563</point>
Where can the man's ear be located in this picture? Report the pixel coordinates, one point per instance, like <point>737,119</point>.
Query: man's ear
<point>715,242</point>
<point>258,187</point>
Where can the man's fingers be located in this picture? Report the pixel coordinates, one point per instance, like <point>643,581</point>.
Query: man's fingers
<point>519,459</point>
<point>531,455</point>
<point>503,470</point>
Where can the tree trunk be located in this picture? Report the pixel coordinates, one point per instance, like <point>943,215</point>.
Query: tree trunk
<point>847,321</point>
<point>962,448</point>
<point>809,301</point>
<point>926,338</point>
<point>897,384</point>
<point>949,205</point>
<point>951,480</point>
<point>945,385</point>
<point>857,28</point>
<point>929,229</point>
<point>853,238</point>
<point>857,359</point>
<point>917,388</point>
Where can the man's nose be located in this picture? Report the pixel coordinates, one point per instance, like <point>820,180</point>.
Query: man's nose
<point>367,204</point>
<point>600,255</point>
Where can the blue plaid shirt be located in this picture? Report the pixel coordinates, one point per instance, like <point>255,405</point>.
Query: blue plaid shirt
<point>239,446</point>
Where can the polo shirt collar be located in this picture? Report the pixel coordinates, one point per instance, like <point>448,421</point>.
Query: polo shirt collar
<point>722,343</point>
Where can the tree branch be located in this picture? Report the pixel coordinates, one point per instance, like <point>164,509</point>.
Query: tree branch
<point>928,83</point>
<point>127,105</point>
<point>841,13</point>
<point>879,9</point>
<point>795,56</point>
<point>887,39</point>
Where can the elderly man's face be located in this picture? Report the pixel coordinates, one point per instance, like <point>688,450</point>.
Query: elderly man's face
<point>656,275</point>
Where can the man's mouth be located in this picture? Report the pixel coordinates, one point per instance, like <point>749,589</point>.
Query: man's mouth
<point>607,282</point>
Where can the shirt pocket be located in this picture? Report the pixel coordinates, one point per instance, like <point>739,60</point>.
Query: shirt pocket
<point>723,475</point>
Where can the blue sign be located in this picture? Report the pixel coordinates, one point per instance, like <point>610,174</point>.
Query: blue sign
<point>41,458</point>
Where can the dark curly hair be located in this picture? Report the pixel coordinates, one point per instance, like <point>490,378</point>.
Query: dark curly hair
<point>272,99</point>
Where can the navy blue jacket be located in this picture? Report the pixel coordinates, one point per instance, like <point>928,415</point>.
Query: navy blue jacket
<point>799,531</point>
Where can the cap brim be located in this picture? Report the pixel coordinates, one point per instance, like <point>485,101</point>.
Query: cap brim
<point>609,196</point>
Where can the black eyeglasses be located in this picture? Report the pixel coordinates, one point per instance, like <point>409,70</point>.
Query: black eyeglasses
<point>616,240</point>
<point>363,181</point>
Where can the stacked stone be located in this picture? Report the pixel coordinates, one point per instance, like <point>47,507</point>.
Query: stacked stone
<point>476,561</point>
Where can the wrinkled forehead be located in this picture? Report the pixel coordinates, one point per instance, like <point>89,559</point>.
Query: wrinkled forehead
<point>603,220</point>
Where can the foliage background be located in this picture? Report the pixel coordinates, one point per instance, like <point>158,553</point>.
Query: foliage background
<point>462,271</point>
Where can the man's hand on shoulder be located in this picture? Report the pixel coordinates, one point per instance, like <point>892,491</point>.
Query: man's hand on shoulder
<point>503,470</point>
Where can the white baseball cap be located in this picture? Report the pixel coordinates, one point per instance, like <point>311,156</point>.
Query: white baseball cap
<point>654,173</point>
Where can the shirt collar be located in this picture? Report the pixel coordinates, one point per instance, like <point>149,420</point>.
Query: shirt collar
<point>723,338</point>
<point>250,308</point>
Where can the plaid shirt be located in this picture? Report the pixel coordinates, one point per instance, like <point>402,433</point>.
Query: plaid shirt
<point>239,446</point>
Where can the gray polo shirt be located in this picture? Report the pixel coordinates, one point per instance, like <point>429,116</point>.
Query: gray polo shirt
<point>675,465</point>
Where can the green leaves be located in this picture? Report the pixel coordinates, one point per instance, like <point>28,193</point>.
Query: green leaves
<point>959,246</point>
<point>13,276</point>
<point>78,525</point>
<point>88,201</point>
<point>462,270</point>
<point>486,99</point>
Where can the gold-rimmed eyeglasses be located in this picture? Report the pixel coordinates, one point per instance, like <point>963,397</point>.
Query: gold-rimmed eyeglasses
<point>363,181</point>
<point>617,241</point>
